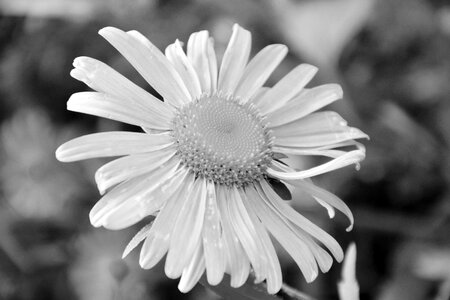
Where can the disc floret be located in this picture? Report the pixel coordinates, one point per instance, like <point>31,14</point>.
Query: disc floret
<point>223,140</point>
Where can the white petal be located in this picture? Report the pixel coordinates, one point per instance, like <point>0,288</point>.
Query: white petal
<point>150,63</point>
<point>322,121</point>
<point>329,208</point>
<point>215,259</point>
<point>238,263</point>
<point>308,101</point>
<point>274,277</point>
<point>136,193</point>
<point>105,79</point>
<point>326,150</point>
<point>299,220</point>
<point>234,59</point>
<point>259,95</point>
<point>258,70</point>
<point>279,229</point>
<point>202,56</point>
<point>192,273</point>
<point>113,143</point>
<point>349,158</point>
<point>213,71</point>
<point>289,86</point>
<point>106,106</point>
<point>187,230</point>
<point>182,64</point>
<point>137,239</point>
<point>246,232</point>
<point>308,151</point>
<point>157,244</point>
<point>322,257</point>
<point>131,166</point>
<point>326,197</point>
<point>318,139</point>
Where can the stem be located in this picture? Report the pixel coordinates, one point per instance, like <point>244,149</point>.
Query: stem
<point>294,293</point>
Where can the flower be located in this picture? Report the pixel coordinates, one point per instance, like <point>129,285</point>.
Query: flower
<point>203,163</point>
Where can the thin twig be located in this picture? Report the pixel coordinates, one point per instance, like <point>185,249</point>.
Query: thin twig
<point>294,293</point>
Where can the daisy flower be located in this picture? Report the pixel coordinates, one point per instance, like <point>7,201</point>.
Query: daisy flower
<point>206,159</point>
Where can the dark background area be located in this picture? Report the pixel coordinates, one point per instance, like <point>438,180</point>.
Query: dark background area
<point>392,58</point>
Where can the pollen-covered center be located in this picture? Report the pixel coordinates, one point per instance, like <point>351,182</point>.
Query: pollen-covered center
<point>222,140</point>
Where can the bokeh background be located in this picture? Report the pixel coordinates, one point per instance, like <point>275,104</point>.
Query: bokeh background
<point>392,58</point>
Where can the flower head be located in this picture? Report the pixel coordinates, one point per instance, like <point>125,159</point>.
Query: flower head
<point>203,163</point>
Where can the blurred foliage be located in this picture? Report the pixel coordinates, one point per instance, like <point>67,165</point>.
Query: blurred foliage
<point>392,58</point>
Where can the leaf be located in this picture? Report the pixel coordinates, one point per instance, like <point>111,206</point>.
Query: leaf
<point>248,291</point>
<point>320,29</point>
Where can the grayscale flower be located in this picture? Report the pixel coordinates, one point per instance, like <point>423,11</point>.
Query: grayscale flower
<point>204,163</point>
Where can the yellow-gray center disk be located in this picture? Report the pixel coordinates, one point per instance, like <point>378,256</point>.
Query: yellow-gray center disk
<point>222,140</point>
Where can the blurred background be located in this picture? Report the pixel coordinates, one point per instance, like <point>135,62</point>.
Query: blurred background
<point>392,58</point>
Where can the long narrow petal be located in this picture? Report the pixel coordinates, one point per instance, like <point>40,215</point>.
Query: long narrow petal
<point>349,158</point>
<point>259,95</point>
<point>141,235</point>
<point>106,106</point>
<point>102,78</point>
<point>187,230</point>
<point>322,121</point>
<point>202,56</point>
<point>289,86</point>
<point>192,273</point>
<point>182,64</point>
<point>246,232</point>
<point>326,197</point>
<point>112,143</point>
<point>129,167</point>
<point>234,59</point>
<point>258,70</point>
<point>322,257</point>
<point>157,244</point>
<point>133,200</point>
<point>237,261</point>
<point>318,139</point>
<point>149,61</point>
<point>215,259</point>
<point>308,151</point>
<point>299,220</point>
<point>279,229</point>
<point>274,277</point>
<point>305,103</point>
<point>330,150</point>
<point>212,60</point>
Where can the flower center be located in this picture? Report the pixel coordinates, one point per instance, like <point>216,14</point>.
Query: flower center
<point>223,140</point>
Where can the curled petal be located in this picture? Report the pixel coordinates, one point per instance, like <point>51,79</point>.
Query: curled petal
<point>348,158</point>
